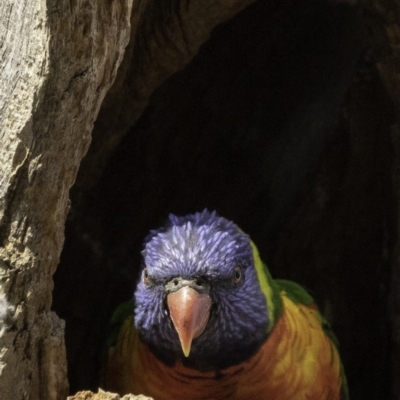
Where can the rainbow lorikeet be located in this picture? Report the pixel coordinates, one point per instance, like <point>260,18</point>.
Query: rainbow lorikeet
<point>209,322</point>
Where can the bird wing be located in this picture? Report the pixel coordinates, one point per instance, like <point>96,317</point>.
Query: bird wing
<point>298,294</point>
<point>122,313</point>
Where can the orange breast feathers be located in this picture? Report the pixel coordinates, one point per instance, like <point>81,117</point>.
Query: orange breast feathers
<point>298,361</point>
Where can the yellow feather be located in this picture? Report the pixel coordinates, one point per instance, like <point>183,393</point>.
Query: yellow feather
<point>263,280</point>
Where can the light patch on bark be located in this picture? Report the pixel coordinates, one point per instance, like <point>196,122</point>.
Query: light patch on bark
<point>6,311</point>
<point>24,40</point>
<point>101,395</point>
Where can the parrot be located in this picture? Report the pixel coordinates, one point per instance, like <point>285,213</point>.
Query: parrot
<point>208,322</point>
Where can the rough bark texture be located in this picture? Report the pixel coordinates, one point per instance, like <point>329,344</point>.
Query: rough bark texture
<point>58,59</point>
<point>101,395</point>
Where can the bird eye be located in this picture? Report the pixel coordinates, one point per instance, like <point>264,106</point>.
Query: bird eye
<point>146,278</point>
<point>238,274</point>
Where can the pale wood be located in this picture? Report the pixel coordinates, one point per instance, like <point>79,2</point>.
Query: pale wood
<point>101,395</point>
<point>57,60</point>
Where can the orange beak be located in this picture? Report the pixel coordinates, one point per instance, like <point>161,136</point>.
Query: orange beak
<point>189,311</point>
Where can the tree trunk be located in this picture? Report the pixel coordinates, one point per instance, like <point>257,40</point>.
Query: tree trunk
<point>58,60</point>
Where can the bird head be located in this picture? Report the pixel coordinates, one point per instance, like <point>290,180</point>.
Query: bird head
<point>199,298</point>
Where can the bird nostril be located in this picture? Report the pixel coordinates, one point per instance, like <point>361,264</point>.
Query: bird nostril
<point>199,282</point>
<point>175,281</point>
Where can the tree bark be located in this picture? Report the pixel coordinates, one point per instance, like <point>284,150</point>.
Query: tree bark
<point>58,59</point>
<point>101,395</point>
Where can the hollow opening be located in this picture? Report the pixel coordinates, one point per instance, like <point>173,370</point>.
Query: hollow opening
<point>279,124</point>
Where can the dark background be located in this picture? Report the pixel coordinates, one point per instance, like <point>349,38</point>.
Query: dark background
<point>281,124</point>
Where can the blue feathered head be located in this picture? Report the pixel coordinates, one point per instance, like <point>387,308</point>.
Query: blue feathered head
<point>198,299</point>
